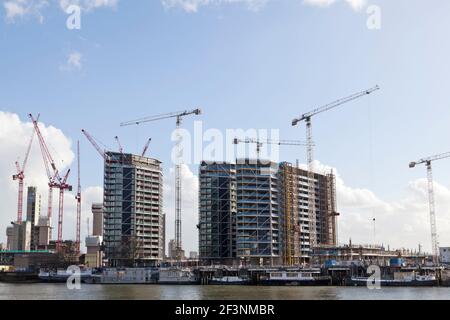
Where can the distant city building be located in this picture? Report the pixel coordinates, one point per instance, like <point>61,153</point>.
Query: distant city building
<point>19,236</point>
<point>257,213</point>
<point>97,223</point>
<point>444,253</point>
<point>2,247</point>
<point>174,253</point>
<point>193,255</point>
<point>33,215</point>
<point>133,210</point>
<point>44,233</point>
<point>94,254</point>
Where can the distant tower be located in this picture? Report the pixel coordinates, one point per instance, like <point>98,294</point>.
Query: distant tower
<point>97,224</point>
<point>33,215</point>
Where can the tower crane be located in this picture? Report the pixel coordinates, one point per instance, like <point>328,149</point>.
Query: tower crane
<point>20,176</point>
<point>179,118</point>
<point>78,198</point>
<point>55,181</point>
<point>260,143</point>
<point>431,201</point>
<point>310,152</point>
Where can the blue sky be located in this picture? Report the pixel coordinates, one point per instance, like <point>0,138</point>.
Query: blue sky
<point>247,68</point>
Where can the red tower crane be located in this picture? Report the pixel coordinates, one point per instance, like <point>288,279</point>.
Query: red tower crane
<point>78,198</point>
<point>55,181</point>
<point>20,176</point>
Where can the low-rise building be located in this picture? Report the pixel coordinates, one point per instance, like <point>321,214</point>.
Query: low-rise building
<point>94,254</point>
<point>444,253</point>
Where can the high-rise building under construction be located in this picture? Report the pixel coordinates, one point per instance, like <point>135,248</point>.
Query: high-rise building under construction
<point>133,210</point>
<point>257,213</point>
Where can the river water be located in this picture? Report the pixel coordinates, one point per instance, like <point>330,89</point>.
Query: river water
<point>158,292</point>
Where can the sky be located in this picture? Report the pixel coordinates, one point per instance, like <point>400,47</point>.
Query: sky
<point>248,64</point>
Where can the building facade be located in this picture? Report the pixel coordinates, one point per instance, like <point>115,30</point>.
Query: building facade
<point>133,230</point>
<point>217,212</point>
<point>444,255</point>
<point>257,213</point>
<point>300,231</point>
<point>97,219</point>
<point>33,215</point>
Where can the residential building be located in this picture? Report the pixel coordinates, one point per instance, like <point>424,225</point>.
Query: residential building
<point>217,212</point>
<point>133,231</point>
<point>257,213</point>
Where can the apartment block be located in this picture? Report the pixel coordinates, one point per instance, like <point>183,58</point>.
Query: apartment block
<point>133,223</point>
<point>258,213</point>
<point>217,212</point>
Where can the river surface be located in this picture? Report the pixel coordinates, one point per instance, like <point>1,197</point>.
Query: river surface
<point>158,292</point>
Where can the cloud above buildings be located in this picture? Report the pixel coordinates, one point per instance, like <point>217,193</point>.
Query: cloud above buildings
<point>19,9</point>
<point>193,6</point>
<point>15,134</point>
<point>356,5</point>
<point>74,61</point>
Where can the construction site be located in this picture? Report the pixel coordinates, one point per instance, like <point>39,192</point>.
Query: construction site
<point>252,212</point>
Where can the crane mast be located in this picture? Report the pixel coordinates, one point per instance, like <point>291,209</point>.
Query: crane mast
<point>20,176</point>
<point>307,118</point>
<point>78,198</point>
<point>55,181</point>
<point>431,199</point>
<point>178,194</point>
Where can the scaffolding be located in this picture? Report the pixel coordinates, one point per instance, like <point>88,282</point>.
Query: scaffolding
<point>332,214</point>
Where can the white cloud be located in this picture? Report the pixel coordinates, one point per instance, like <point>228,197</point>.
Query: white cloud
<point>73,62</point>
<point>194,5</point>
<point>400,223</point>
<point>20,8</point>
<point>14,138</point>
<point>88,5</point>
<point>356,5</point>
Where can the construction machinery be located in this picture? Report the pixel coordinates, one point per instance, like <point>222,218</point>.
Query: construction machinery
<point>310,152</point>
<point>179,117</point>
<point>20,176</point>
<point>78,198</point>
<point>95,144</point>
<point>55,181</point>
<point>119,144</point>
<point>431,201</point>
<point>144,151</point>
<point>259,143</point>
